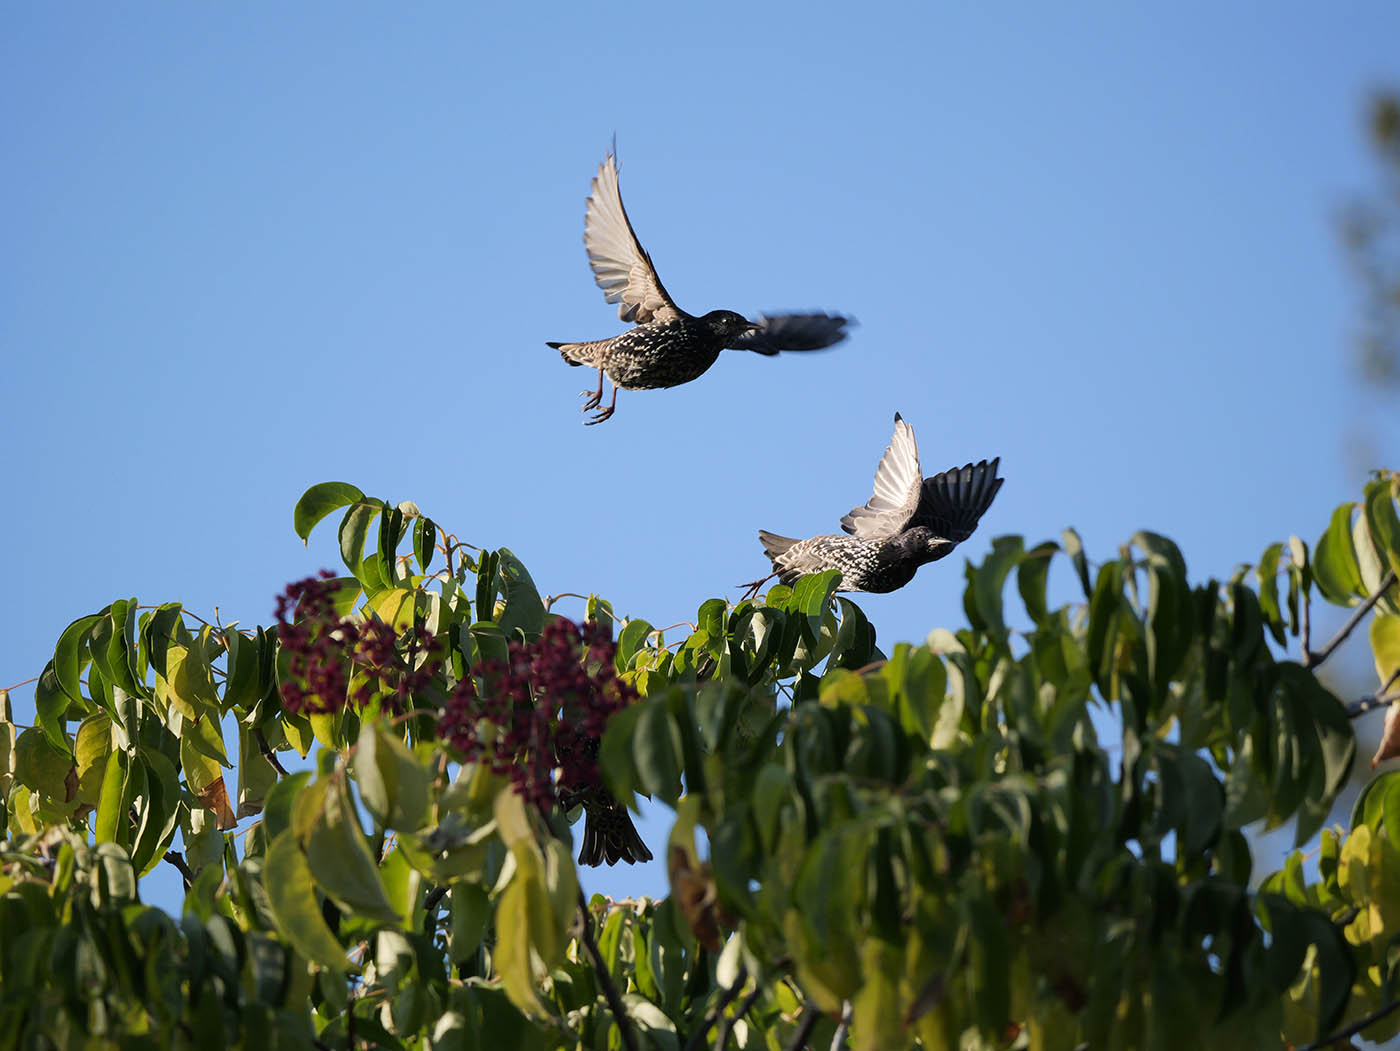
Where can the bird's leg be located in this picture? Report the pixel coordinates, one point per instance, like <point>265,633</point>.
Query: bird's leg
<point>595,398</point>
<point>603,414</point>
<point>752,591</point>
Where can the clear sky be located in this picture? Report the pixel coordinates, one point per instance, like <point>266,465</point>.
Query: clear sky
<point>250,248</point>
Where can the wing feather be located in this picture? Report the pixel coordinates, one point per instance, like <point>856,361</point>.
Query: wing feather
<point>620,265</point>
<point>898,482</point>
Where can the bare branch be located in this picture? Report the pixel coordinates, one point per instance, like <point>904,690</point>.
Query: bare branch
<point>838,1039</point>
<point>624,1025</point>
<point>697,1038</point>
<point>727,1024</point>
<point>1351,1030</point>
<point>1312,660</point>
<point>178,860</point>
<point>810,1017</point>
<point>1379,699</point>
<point>268,753</point>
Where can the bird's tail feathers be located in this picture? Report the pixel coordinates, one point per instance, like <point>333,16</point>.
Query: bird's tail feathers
<point>773,544</point>
<point>580,353</point>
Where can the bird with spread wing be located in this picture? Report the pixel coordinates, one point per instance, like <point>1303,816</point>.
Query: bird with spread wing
<point>667,347</point>
<point>909,521</point>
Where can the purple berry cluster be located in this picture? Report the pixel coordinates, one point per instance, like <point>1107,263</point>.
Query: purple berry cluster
<point>332,660</point>
<point>543,713</point>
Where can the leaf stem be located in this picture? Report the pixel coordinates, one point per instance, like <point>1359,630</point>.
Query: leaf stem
<point>1379,699</point>
<point>624,1026</point>
<point>1312,660</point>
<point>178,860</point>
<point>268,753</point>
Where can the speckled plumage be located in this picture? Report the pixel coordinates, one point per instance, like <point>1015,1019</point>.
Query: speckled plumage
<point>668,347</point>
<point>908,522</point>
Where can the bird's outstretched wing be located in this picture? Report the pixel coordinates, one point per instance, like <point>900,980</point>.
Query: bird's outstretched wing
<point>620,265</point>
<point>793,332</point>
<point>952,502</point>
<point>898,484</point>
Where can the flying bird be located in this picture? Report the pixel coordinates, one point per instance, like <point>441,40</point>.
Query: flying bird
<point>910,520</point>
<point>668,347</point>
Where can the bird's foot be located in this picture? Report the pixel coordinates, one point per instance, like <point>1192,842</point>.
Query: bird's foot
<point>595,398</point>
<point>751,589</point>
<point>599,416</point>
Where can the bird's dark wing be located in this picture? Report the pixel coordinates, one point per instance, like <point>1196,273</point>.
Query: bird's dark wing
<point>793,332</point>
<point>951,503</point>
<point>897,489</point>
<point>620,265</point>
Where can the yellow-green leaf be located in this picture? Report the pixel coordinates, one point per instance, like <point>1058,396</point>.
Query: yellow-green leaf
<point>292,898</point>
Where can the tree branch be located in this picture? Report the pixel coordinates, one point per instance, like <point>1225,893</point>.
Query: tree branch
<point>1379,699</point>
<point>1312,660</point>
<point>178,860</point>
<point>268,753</point>
<point>1351,1030</point>
<point>624,1026</point>
<point>810,1017</point>
<point>727,1024</point>
<point>697,1038</point>
<point>838,1039</point>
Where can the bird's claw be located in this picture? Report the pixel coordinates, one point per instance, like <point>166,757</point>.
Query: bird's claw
<point>599,416</point>
<point>595,398</point>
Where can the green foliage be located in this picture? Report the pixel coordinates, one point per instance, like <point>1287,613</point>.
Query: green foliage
<point>1026,832</point>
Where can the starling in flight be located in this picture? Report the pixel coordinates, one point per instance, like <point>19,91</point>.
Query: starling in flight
<point>668,347</point>
<point>909,520</point>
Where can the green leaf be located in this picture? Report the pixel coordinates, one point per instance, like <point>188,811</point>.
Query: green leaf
<point>1031,577</point>
<point>321,500</point>
<point>656,750</point>
<point>1385,645</point>
<point>341,861</point>
<point>1382,519</point>
<point>393,783</point>
<point>41,766</point>
<point>471,908</point>
<point>524,610</point>
<point>1074,547</point>
<point>525,928</point>
<point>1267,574</point>
<point>354,528</point>
<point>292,898</point>
<point>1334,563</point>
<point>50,706</point>
<point>424,541</point>
<point>70,658</point>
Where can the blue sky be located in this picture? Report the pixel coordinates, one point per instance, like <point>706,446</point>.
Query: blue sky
<point>256,249</point>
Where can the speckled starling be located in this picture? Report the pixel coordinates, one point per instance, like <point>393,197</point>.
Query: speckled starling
<point>909,520</point>
<point>668,347</point>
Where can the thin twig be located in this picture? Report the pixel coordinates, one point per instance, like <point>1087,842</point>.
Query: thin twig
<point>1312,660</point>
<point>434,896</point>
<point>1379,699</point>
<point>810,1018</point>
<point>267,752</point>
<point>838,1039</point>
<point>1305,628</point>
<point>624,1026</point>
<point>697,1038</point>
<point>727,1024</point>
<point>1369,704</point>
<point>1351,1030</point>
<point>178,860</point>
